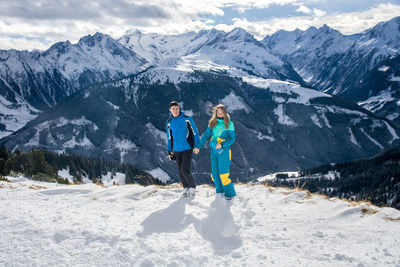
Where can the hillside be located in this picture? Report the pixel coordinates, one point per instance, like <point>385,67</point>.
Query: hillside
<point>63,168</point>
<point>270,118</point>
<point>375,179</point>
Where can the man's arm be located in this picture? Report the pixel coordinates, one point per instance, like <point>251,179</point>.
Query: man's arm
<point>196,132</point>
<point>171,155</point>
<point>169,138</point>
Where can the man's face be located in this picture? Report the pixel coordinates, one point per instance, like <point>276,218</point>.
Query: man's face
<point>174,110</point>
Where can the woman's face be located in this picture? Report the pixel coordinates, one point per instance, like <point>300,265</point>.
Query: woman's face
<point>220,113</point>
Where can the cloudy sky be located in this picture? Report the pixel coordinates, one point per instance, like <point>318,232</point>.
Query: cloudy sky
<point>37,24</point>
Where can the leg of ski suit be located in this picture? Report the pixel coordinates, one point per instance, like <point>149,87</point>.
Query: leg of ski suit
<point>214,172</point>
<point>220,167</point>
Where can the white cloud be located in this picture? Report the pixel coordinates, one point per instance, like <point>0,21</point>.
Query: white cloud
<point>308,11</point>
<point>355,22</point>
<point>38,24</point>
<point>304,9</point>
<point>21,44</point>
<point>54,21</point>
<point>209,22</point>
<point>318,12</point>
<point>346,23</point>
<point>241,10</point>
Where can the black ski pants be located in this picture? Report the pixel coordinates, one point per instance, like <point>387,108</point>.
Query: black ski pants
<point>183,160</point>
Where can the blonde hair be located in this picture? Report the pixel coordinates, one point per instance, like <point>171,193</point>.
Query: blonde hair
<point>213,121</point>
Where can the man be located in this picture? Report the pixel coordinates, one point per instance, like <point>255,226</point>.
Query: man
<point>182,137</point>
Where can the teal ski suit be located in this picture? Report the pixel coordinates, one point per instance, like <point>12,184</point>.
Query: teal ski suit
<point>220,158</point>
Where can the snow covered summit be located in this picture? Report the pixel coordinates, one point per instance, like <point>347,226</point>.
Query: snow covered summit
<point>50,224</point>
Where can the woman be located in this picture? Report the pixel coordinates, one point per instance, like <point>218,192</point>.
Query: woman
<point>222,133</point>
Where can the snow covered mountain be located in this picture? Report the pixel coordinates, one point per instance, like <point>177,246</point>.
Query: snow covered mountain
<point>55,225</point>
<point>236,49</point>
<point>265,95</point>
<point>326,59</point>
<point>280,125</point>
<point>335,63</point>
<point>33,81</point>
<point>315,53</point>
<point>156,48</point>
<point>331,61</point>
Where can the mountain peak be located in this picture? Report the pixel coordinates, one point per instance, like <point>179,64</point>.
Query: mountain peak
<point>91,40</point>
<point>311,31</point>
<point>330,31</point>
<point>210,34</point>
<point>325,27</point>
<point>239,33</point>
<point>61,47</point>
<point>395,20</point>
<point>392,22</point>
<point>281,33</point>
<point>133,31</point>
<point>210,31</point>
<point>386,32</point>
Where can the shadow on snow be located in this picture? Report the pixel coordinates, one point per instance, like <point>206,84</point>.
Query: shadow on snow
<point>218,227</point>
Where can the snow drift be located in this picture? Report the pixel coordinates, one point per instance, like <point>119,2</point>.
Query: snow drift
<point>131,225</point>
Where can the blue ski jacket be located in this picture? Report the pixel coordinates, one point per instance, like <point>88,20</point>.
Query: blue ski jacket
<point>182,133</point>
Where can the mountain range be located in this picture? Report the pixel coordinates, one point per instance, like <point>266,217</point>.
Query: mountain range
<point>339,64</point>
<point>292,96</point>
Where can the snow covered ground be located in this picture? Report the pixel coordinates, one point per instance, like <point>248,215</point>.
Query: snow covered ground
<point>45,224</point>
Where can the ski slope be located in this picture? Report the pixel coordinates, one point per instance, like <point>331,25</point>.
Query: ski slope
<point>44,224</point>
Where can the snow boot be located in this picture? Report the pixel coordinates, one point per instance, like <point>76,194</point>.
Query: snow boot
<point>191,192</point>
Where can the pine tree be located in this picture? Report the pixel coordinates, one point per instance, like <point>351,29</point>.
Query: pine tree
<point>38,164</point>
<point>2,167</point>
<point>4,154</point>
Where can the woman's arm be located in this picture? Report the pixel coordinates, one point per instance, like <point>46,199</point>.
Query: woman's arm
<point>204,138</point>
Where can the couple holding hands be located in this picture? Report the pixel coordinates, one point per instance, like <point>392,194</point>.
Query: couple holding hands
<point>183,140</point>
